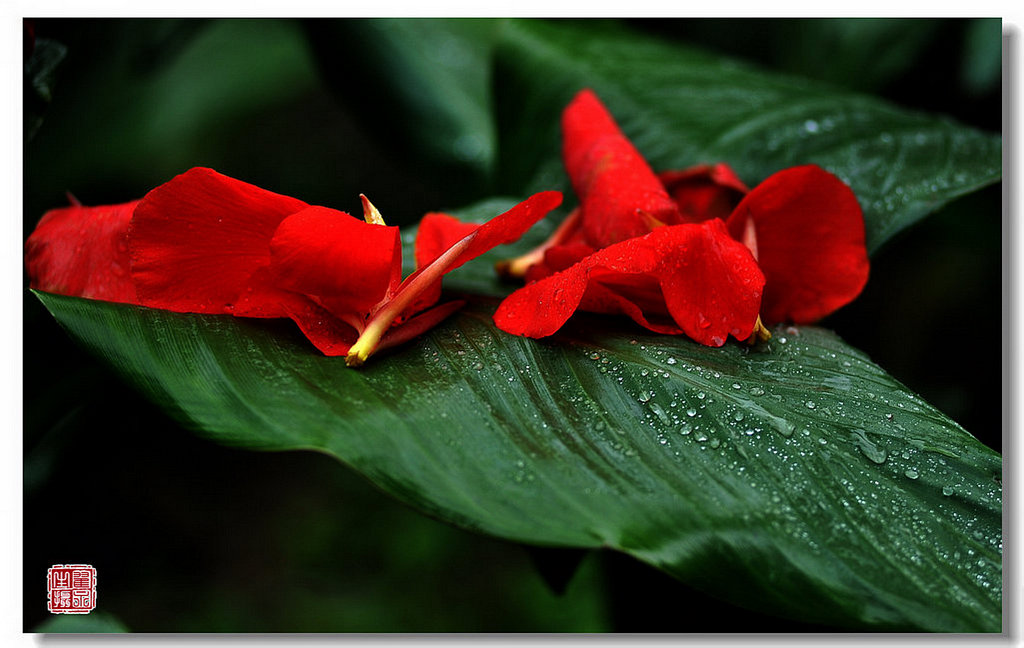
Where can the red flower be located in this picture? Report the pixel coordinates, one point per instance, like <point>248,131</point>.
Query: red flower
<point>802,226</point>
<point>207,243</point>
<point>83,251</point>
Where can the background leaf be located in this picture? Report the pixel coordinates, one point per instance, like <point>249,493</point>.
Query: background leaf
<point>422,86</point>
<point>682,106</point>
<point>799,469</point>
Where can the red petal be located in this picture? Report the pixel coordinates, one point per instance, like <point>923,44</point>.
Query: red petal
<point>615,184</point>
<point>418,325</point>
<point>422,284</point>
<point>332,336</point>
<point>708,283</point>
<point>329,254</point>
<point>509,226</point>
<point>197,240</point>
<point>83,252</point>
<point>810,242</point>
<point>558,258</point>
<point>704,191</point>
<point>437,233</point>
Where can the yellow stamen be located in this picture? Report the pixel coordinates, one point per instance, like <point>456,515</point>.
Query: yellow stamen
<point>650,221</point>
<point>370,213</point>
<point>760,333</point>
<point>516,268</point>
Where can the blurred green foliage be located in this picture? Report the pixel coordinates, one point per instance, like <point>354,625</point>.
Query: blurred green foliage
<point>189,536</point>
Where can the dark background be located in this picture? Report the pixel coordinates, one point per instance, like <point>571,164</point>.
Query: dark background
<point>192,536</point>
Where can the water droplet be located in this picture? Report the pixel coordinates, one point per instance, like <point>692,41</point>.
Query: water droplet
<point>715,443</point>
<point>811,126</point>
<point>810,404</point>
<point>782,340</point>
<point>737,386</point>
<point>478,365</point>
<point>644,397</point>
<point>701,395</point>
<point>644,372</point>
<point>756,391</point>
<point>691,412</point>
<point>888,415</point>
<point>911,473</point>
<point>947,490</point>
<point>595,356</point>
<point>660,413</point>
<point>738,416</point>
<point>867,448</point>
<point>786,428</point>
<point>671,361</point>
<point>702,321</point>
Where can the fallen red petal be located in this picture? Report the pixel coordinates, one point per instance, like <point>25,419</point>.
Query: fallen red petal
<point>810,243</point>
<point>704,192</point>
<point>439,232</point>
<point>197,240</point>
<point>419,324</point>
<point>425,282</point>
<point>618,191</point>
<point>329,254</point>
<point>695,274</point>
<point>83,252</point>
<point>332,336</point>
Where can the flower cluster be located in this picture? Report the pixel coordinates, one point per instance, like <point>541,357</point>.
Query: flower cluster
<point>690,251</point>
<point>207,243</point>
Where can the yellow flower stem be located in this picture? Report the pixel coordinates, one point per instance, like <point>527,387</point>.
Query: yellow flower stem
<point>411,288</point>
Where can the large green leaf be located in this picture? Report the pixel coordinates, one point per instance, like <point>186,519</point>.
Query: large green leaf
<point>682,106</point>
<point>794,477</point>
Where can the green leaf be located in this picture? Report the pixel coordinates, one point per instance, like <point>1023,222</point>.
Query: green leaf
<point>92,623</point>
<point>795,477</point>
<point>682,107</point>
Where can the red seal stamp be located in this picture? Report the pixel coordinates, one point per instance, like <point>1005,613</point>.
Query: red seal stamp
<point>71,589</point>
